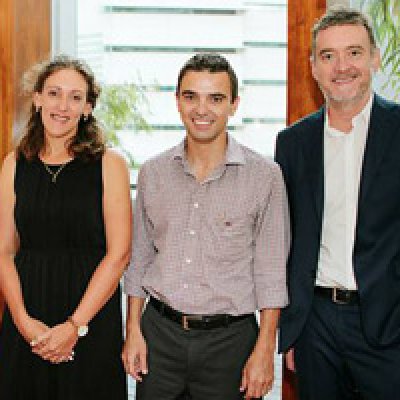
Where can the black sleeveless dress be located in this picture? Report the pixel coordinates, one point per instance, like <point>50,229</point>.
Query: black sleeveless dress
<point>62,240</point>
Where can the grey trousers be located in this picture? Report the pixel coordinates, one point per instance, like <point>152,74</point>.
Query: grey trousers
<point>194,364</point>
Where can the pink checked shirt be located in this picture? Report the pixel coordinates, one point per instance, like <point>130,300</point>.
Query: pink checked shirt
<point>219,246</point>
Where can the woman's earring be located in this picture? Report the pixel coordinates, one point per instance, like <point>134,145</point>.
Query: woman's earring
<point>85,117</point>
<point>38,109</point>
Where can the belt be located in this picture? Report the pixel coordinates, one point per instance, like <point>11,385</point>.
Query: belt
<point>338,296</point>
<point>194,321</point>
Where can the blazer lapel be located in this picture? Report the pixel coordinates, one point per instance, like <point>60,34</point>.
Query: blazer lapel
<point>313,145</point>
<point>381,129</point>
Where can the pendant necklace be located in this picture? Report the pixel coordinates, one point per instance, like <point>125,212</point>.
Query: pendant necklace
<point>54,174</point>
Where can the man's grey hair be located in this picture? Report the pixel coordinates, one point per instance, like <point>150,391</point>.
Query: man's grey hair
<point>340,15</point>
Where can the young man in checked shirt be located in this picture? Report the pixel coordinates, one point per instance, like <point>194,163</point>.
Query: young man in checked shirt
<point>210,248</point>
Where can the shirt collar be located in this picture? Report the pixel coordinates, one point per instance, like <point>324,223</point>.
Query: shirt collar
<point>362,117</point>
<point>234,152</point>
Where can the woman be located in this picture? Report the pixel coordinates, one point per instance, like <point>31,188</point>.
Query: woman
<point>65,235</point>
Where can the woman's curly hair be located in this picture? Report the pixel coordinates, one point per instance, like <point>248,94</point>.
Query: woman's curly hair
<point>88,143</point>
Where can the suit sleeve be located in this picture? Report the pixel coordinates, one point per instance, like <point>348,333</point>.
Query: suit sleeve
<point>280,156</point>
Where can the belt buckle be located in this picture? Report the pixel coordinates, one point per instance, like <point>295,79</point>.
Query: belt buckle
<point>334,297</point>
<point>185,323</point>
<point>187,318</point>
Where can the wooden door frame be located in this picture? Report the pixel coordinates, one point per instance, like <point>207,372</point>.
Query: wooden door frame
<point>25,37</point>
<point>303,95</point>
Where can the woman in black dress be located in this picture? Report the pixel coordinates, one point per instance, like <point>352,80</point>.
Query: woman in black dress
<point>65,237</point>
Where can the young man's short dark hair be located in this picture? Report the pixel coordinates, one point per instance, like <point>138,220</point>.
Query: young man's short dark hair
<point>211,63</point>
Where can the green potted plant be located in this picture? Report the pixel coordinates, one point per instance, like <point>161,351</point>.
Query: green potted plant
<point>120,107</point>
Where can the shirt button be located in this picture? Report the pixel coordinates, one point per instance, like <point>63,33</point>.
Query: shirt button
<point>185,285</point>
<point>188,261</point>
<point>192,232</point>
<point>196,205</point>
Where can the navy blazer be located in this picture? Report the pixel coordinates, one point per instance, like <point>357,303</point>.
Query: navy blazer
<point>376,253</point>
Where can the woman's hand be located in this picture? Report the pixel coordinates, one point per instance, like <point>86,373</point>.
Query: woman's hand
<point>57,343</point>
<point>31,328</point>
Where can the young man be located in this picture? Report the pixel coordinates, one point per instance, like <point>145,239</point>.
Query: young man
<point>210,247</point>
<point>342,170</point>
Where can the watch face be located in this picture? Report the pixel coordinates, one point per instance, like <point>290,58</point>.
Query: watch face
<point>83,330</point>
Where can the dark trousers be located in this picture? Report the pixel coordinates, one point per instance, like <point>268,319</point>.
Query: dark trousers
<point>194,364</point>
<point>335,362</point>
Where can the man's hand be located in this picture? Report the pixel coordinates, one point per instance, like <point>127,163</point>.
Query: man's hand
<point>134,355</point>
<point>258,373</point>
<point>289,359</point>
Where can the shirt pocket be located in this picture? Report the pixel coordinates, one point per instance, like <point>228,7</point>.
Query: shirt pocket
<point>231,237</point>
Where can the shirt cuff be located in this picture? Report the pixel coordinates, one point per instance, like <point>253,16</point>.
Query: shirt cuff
<point>132,289</point>
<point>272,298</point>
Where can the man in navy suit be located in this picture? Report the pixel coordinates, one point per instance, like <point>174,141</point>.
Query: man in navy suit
<point>341,331</point>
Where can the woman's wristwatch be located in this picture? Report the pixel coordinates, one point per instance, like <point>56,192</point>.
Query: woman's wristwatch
<point>82,330</point>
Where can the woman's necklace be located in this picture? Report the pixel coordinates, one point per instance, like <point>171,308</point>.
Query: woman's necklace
<point>55,174</point>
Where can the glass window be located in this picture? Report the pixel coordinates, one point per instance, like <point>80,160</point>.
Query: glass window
<point>146,42</point>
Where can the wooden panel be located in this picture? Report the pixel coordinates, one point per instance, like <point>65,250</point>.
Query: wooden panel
<point>25,27</point>
<point>6,87</point>
<point>303,94</point>
<point>24,40</point>
<point>32,38</point>
<point>6,75</point>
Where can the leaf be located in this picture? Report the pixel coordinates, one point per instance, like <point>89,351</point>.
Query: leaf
<point>385,15</point>
<point>121,106</point>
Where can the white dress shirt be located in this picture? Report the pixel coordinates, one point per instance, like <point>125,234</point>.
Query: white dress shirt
<point>343,157</point>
